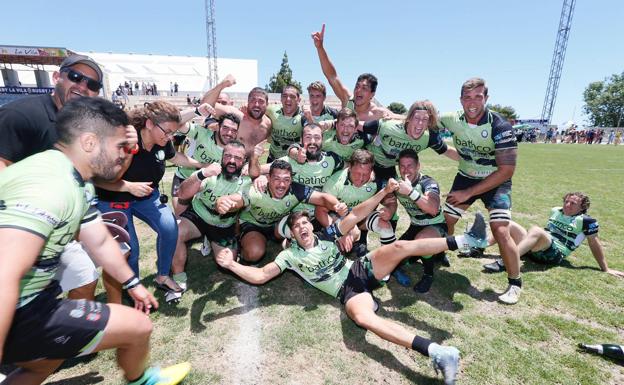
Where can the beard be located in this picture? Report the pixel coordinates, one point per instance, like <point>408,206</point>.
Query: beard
<point>314,156</point>
<point>104,167</point>
<point>230,175</point>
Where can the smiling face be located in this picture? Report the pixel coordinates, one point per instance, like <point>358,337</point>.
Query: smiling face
<point>256,105</point>
<point>232,161</point>
<point>279,182</point>
<point>473,101</point>
<point>161,133</point>
<point>409,168</point>
<point>312,140</point>
<point>363,94</point>
<point>345,129</point>
<point>359,173</point>
<point>317,99</point>
<point>572,205</point>
<point>290,100</point>
<point>65,89</point>
<point>303,232</point>
<point>108,160</point>
<point>227,131</point>
<point>417,123</point>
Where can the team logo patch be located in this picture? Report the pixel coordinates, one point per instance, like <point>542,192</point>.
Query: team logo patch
<point>369,189</point>
<point>160,155</point>
<point>324,164</point>
<point>323,247</point>
<point>295,121</point>
<point>77,313</point>
<point>287,203</point>
<point>484,134</point>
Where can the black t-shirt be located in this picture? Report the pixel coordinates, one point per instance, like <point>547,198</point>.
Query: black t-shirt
<point>27,127</point>
<point>146,166</point>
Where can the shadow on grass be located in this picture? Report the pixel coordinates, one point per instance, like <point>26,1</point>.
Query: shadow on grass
<point>530,266</point>
<point>83,379</point>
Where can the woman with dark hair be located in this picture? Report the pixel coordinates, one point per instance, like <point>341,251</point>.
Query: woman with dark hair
<point>136,192</point>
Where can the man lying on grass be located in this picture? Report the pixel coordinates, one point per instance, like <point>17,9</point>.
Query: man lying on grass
<point>317,259</point>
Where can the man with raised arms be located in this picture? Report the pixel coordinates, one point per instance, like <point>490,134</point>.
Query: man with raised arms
<point>487,146</point>
<point>316,258</point>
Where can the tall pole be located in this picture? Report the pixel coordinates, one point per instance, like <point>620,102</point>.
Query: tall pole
<point>211,43</point>
<point>563,33</point>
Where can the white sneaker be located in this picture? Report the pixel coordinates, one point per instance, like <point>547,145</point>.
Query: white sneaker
<point>511,296</point>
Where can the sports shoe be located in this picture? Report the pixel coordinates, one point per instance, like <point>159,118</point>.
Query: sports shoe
<point>401,277</point>
<point>445,359</point>
<point>424,284</point>
<point>171,375</point>
<point>477,235</point>
<point>473,252</point>
<point>495,267</point>
<point>181,279</point>
<point>511,296</point>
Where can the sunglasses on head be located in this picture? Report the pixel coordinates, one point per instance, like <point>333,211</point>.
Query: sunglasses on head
<point>77,77</point>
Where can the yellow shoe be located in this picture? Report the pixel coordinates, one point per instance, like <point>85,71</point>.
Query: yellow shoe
<point>172,375</point>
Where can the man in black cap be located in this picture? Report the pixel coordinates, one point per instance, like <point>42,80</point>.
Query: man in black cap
<point>28,126</point>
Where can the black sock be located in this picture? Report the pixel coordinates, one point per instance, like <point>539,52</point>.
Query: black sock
<point>451,243</point>
<point>428,265</point>
<point>515,281</point>
<point>421,345</point>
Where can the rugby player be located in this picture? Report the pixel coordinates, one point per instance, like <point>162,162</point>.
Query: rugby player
<point>286,122</point>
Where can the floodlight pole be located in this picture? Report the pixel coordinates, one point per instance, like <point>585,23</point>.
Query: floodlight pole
<point>211,43</point>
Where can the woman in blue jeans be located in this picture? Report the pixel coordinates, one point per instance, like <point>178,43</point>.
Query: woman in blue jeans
<point>136,193</point>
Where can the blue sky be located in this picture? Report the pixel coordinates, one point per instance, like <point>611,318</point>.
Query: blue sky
<point>417,49</point>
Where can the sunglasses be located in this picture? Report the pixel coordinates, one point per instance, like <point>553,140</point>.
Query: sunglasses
<point>77,77</point>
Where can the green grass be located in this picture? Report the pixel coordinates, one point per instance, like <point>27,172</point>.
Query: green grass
<point>306,338</point>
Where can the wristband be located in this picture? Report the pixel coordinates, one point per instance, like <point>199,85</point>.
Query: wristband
<point>414,195</point>
<point>131,283</point>
<point>200,175</point>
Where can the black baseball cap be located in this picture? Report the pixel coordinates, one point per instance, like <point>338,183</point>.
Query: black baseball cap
<point>82,59</point>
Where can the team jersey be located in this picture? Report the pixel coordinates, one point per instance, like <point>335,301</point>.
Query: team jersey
<point>327,113</point>
<point>286,130</point>
<point>314,174</point>
<point>340,186</point>
<point>477,145</point>
<point>204,202</point>
<point>331,143</point>
<point>568,232</point>
<point>261,209</point>
<point>201,145</point>
<point>45,195</point>
<point>391,138</point>
<point>323,266</point>
<point>425,184</point>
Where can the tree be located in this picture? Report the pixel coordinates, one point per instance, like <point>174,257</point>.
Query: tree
<point>397,108</point>
<point>604,102</point>
<point>508,112</point>
<point>283,78</point>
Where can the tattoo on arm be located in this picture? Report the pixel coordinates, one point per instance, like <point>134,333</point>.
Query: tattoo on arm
<point>506,157</point>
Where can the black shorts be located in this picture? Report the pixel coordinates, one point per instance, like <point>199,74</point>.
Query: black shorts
<point>268,231</point>
<point>413,231</point>
<point>175,189</point>
<point>498,198</point>
<point>222,236</point>
<point>360,280</point>
<point>51,328</point>
<point>384,173</point>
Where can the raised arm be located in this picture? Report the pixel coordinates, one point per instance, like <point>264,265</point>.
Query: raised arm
<point>598,252</point>
<point>212,95</point>
<point>328,68</point>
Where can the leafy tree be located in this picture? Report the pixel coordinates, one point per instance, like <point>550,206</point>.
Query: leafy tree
<point>397,108</point>
<point>604,102</point>
<point>508,112</point>
<point>283,78</point>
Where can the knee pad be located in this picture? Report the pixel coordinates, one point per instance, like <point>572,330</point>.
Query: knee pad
<point>452,211</point>
<point>386,234</point>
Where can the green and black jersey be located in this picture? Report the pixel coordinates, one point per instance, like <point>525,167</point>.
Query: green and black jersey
<point>423,185</point>
<point>477,144</point>
<point>327,113</point>
<point>568,232</point>
<point>262,209</point>
<point>45,195</point>
<point>391,138</point>
<point>204,202</point>
<point>201,145</point>
<point>286,130</point>
<point>340,186</point>
<point>331,144</point>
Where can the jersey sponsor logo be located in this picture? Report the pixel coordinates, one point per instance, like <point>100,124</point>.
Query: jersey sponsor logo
<point>49,218</point>
<point>400,144</point>
<point>285,134</point>
<point>314,180</point>
<point>322,264</point>
<point>484,134</point>
<point>561,225</point>
<point>471,145</point>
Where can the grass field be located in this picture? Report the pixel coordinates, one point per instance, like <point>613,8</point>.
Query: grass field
<point>287,332</point>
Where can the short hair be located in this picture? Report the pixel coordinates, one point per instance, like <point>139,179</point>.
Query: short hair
<point>158,112</point>
<point>295,216</point>
<point>318,86</point>
<point>585,202</point>
<point>346,113</point>
<point>86,114</point>
<point>372,80</point>
<point>310,126</point>
<point>258,90</point>
<point>294,87</point>
<point>280,164</point>
<point>236,143</point>
<point>424,105</point>
<point>361,156</point>
<point>473,83</point>
<point>409,153</point>
<point>229,116</point>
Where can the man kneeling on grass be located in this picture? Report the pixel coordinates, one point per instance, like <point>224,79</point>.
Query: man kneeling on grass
<point>566,229</point>
<point>317,259</point>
